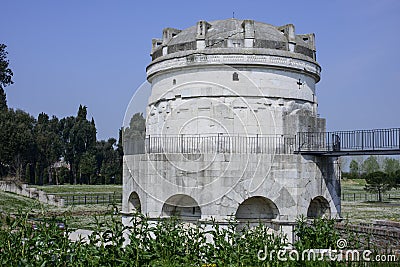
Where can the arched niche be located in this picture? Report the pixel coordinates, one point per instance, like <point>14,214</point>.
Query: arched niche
<point>182,206</point>
<point>257,208</point>
<point>134,203</point>
<point>319,207</point>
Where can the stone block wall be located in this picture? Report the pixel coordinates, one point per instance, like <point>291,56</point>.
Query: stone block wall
<point>31,192</point>
<point>220,183</point>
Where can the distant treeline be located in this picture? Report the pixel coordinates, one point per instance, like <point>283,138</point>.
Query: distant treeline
<point>359,168</point>
<point>51,150</point>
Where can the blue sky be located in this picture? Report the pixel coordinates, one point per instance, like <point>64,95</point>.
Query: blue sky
<point>66,53</point>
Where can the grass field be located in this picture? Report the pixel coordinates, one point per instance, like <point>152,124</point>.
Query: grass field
<point>350,186</point>
<point>64,190</point>
<point>368,211</point>
<point>79,216</point>
<point>12,203</point>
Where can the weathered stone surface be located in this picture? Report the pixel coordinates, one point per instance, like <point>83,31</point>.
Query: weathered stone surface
<point>244,99</point>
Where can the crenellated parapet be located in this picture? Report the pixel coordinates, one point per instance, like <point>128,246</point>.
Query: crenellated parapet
<point>234,33</point>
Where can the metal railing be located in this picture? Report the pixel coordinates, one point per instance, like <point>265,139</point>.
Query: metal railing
<point>210,144</point>
<point>393,196</point>
<point>359,140</point>
<point>104,199</point>
<point>384,141</point>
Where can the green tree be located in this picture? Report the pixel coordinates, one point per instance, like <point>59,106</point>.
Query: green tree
<point>28,176</point>
<point>370,165</point>
<point>37,173</point>
<point>84,138</point>
<point>390,165</point>
<point>378,182</point>
<point>68,153</point>
<point>354,169</point>
<point>5,76</point>
<point>87,168</point>
<point>17,141</point>
<point>108,161</point>
<point>48,145</point>
<point>79,137</point>
<point>62,175</point>
<point>120,153</point>
<point>396,179</point>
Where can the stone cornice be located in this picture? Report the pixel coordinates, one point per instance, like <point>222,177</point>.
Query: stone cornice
<point>234,51</point>
<point>310,68</point>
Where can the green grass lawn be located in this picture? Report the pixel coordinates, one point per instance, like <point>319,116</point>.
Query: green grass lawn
<point>79,216</point>
<point>64,190</point>
<point>350,186</point>
<point>368,211</point>
<point>13,203</point>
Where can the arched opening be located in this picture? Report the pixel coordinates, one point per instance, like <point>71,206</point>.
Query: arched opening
<point>319,207</point>
<point>182,206</point>
<point>134,202</point>
<point>257,208</point>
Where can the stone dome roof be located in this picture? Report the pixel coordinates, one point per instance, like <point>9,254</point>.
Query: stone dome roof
<point>229,29</point>
<point>232,36</point>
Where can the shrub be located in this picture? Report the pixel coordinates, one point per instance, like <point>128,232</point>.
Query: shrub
<point>168,242</point>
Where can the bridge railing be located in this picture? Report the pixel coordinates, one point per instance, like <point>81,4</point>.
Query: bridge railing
<point>210,144</point>
<point>359,140</point>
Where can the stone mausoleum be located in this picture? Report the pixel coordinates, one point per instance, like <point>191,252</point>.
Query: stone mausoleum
<point>228,98</point>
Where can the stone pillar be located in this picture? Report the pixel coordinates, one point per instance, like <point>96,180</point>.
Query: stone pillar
<point>289,31</point>
<point>249,33</point>
<point>202,27</point>
<point>168,34</point>
<point>309,39</point>
<point>155,43</point>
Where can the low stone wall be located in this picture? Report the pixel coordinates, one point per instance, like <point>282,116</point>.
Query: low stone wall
<point>380,234</point>
<point>31,192</point>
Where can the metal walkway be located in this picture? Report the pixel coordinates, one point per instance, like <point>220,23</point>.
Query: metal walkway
<point>349,143</point>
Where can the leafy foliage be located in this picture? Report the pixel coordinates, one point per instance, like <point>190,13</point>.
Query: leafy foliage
<point>370,165</point>
<point>17,139</point>
<point>354,168</point>
<point>168,242</point>
<point>390,168</point>
<point>390,165</point>
<point>396,178</point>
<point>5,76</point>
<point>48,145</point>
<point>320,233</point>
<point>49,150</point>
<point>378,182</point>
<point>79,136</point>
